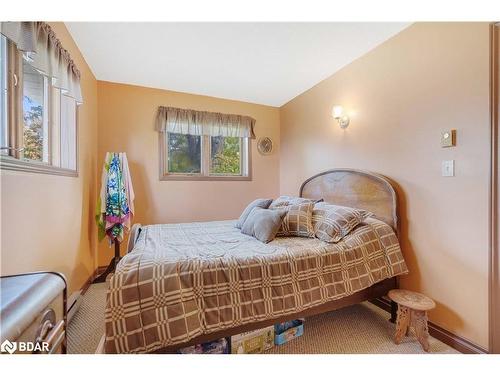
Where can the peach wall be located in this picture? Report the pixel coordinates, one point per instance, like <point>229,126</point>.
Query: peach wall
<point>427,79</point>
<point>45,219</point>
<point>126,123</point>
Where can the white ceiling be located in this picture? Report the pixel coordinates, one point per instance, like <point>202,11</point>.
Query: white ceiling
<point>265,63</point>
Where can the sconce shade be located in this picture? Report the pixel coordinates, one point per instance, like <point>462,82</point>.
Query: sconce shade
<point>338,114</point>
<point>337,111</point>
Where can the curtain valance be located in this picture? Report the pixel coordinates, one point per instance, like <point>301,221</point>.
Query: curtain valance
<point>46,54</point>
<point>188,121</point>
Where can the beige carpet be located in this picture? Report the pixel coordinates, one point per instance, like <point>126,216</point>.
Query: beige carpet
<point>362,328</point>
<point>87,326</point>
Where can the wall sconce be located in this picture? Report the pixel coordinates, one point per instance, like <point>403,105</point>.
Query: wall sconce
<point>338,114</point>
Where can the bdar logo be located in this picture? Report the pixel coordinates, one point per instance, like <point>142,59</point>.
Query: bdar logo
<point>9,347</point>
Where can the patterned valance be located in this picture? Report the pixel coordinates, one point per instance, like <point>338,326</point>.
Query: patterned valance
<point>46,54</point>
<point>188,121</point>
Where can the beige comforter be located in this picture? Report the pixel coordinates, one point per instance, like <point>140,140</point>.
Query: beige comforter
<point>184,280</point>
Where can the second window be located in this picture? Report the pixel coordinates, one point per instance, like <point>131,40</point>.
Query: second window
<point>186,156</point>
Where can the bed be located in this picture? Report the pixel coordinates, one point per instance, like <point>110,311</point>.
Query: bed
<point>183,284</point>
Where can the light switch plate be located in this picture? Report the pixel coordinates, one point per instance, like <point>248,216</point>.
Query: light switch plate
<point>448,138</point>
<point>448,168</point>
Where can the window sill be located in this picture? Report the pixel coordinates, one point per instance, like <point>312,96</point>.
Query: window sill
<point>11,164</point>
<point>170,177</point>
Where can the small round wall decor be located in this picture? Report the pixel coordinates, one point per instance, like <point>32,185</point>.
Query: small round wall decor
<point>265,145</point>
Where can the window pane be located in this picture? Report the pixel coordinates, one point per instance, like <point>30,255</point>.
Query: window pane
<point>4,139</point>
<point>225,155</point>
<point>68,132</point>
<point>184,153</point>
<point>34,114</point>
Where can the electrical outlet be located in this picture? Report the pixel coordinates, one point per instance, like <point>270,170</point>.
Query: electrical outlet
<point>448,168</point>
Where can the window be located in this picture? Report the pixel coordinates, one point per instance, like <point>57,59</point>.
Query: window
<point>202,145</point>
<point>38,122</point>
<point>225,156</point>
<point>184,153</point>
<point>204,157</point>
<point>35,116</point>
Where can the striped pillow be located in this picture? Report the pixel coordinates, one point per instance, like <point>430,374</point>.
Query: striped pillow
<point>332,223</point>
<point>286,200</point>
<point>297,220</point>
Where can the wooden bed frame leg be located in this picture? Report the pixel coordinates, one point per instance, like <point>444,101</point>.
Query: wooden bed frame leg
<point>394,312</point>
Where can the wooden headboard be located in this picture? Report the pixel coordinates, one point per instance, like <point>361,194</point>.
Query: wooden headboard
<point>354,188</point>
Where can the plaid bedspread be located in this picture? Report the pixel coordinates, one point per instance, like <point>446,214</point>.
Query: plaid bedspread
<point>185,280</point>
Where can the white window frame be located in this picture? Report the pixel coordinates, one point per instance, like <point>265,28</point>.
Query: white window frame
<point>12,158</point>
<point>205,175</point>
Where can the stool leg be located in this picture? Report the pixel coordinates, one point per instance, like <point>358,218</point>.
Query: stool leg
<point>421,329</point>
<point>394,312</point>
<point>402,322</point>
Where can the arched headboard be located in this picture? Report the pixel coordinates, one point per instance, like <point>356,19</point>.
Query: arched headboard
<point>355,188</point>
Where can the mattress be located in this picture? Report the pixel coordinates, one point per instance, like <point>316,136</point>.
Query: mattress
<point>185,280</point>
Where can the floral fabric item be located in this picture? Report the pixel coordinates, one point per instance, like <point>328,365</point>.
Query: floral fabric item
<point>332,223</point>
<point>115,205</point>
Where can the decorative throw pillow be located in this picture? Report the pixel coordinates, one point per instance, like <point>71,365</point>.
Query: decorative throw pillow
<point>263,224</point>
<point>297,220</point>
<point>332,223</point>
<point>262,203</point>
<point>286,200</point>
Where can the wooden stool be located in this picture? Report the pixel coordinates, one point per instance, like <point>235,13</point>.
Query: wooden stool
<point>412,312</point>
